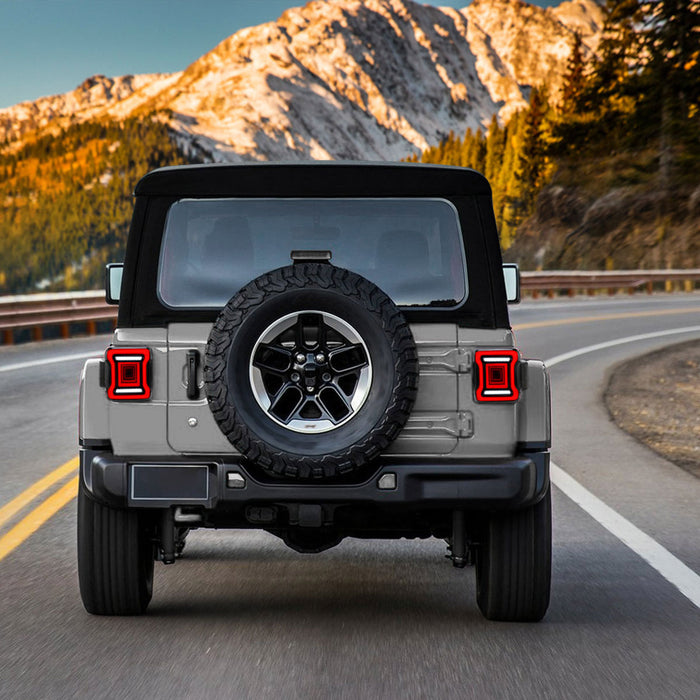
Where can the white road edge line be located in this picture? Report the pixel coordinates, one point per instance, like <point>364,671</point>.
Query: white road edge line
<point>619,341</point>
<point>657,556</point>
<point>669,566</point>
<point>50,361</point>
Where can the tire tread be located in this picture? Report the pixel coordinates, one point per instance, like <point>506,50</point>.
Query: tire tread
<point>513,565</point>
<point>114,569</point>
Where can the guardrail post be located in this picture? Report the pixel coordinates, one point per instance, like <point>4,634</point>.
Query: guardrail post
<point>91,328</point>
<point>37,333</point>
<point>65,330</point>
<point>8,336</point>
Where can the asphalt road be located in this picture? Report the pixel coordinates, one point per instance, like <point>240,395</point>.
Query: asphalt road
<point>242,616</point>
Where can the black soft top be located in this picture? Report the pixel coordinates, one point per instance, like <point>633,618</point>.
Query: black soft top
<point>466,189</point>
<point>317,178</point>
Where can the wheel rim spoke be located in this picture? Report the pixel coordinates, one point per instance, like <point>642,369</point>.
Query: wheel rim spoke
<point>310,331</point>
<point>288,400</point>
<point>334,403</point>
<point>272,358</point>
<point>350,358</point>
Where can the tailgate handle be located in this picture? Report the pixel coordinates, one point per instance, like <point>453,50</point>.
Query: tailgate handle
<point>192,364</point>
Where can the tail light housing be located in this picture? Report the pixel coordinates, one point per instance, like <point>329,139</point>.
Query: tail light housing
<point>129,373</point>
<point>495,375</point>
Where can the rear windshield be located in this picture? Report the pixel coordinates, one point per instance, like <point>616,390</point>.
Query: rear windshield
<point>410,248</point>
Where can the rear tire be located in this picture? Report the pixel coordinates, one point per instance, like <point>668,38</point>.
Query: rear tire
<point>514,563</point>
<point>115,558</point>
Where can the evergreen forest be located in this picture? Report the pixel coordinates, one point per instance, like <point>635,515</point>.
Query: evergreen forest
<point>65,201</point>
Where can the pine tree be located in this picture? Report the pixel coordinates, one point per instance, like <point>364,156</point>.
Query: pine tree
<point>574,85</point>
<point>466,151</point>
<point>668,75</point>
<point>620,46</point>
<point>612,92</point>
<point>479,155</point>
<point>531,158</point>
<point>495,144</point>
<point>48,229</point>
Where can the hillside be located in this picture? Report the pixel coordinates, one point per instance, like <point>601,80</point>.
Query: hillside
<point>602,173</point>
<point>65,201</point>
<point>611,214</point>
<point>596,206</point>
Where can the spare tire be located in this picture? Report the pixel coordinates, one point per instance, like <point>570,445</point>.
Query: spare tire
<point>311,371</point>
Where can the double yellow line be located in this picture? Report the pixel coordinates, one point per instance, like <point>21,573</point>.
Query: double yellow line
<point>606,317</point>
<point>45,510</point>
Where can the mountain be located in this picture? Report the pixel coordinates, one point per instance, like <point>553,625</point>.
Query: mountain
<point>339,79</point>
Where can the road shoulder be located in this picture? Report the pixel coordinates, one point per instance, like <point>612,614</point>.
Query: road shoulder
<point>656,399</point>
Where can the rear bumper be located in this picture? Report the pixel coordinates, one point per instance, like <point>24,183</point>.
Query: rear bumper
<point>162,483</point>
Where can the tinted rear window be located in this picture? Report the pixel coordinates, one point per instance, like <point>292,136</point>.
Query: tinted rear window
<point>411,248</point>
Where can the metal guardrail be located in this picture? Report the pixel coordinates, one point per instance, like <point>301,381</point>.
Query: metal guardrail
<point>66,310</point>
<point>63,309</point>
<point>611,280</point>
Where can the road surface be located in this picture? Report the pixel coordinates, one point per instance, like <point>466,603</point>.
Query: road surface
<point>242,616</point>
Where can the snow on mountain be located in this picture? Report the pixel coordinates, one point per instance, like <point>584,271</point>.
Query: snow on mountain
<point>342,79</point>
<point>90,99</point>
<point>520,45</point>
<point>581,16</point>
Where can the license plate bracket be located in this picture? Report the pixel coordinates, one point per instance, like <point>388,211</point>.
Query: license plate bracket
<point>169,482</point>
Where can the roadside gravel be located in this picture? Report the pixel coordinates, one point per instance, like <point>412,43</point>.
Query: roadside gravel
<point>656,399</point>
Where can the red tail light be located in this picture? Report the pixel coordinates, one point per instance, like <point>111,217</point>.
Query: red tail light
<point>495,375</point>
<point>129,374</point>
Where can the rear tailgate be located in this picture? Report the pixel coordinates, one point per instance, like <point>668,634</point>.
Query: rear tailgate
<point>445,420</point>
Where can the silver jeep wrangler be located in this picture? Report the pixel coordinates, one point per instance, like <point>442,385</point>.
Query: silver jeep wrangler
<point>322,351</point>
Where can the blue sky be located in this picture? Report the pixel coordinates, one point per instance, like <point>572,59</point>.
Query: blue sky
<point>50,46</point>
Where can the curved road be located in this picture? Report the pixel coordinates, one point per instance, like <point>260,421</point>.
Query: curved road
<point>242,616</point>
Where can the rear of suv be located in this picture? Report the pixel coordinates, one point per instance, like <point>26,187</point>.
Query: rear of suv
<point>321,351</point>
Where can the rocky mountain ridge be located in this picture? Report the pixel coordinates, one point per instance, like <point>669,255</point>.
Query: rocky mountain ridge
<point>340,79</point>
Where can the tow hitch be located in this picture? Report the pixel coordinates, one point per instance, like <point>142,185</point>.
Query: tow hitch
<point>458,549</point>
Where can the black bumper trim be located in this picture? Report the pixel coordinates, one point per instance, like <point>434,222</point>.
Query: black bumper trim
<point>479,485</point>
<point>96,444</point>
<point>526,447</point>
